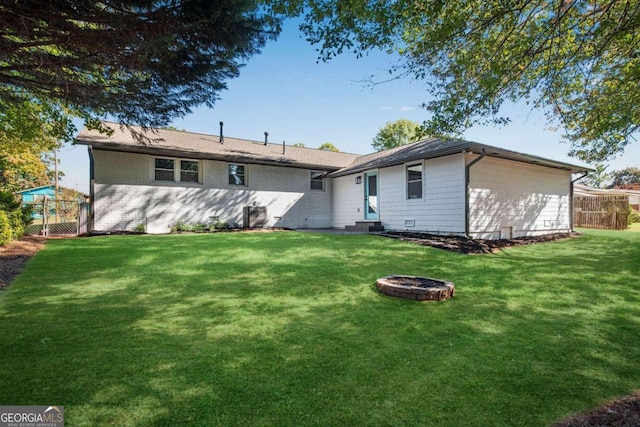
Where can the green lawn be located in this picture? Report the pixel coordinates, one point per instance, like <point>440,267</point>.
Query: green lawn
<point>286,329</point>
<point>634,227</point>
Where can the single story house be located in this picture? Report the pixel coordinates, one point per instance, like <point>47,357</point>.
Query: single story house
<point>35,195</point>
<point>438,186</point>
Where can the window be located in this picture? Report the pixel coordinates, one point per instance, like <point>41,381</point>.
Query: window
<point>237,175</point>
<point>164,170</point>
<point>414,181</point>
<point>317,182</point>
<point>188,171</point>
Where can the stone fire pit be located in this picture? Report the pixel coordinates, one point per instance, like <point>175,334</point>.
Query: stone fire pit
<point>415,288</point>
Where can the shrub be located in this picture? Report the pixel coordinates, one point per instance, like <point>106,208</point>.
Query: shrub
<point>199,227</point>
<point>221,225</point>
<point>26,214</point>
<point>15,217</point>
<point>180,226</point>
<point>140,228</point>
<point>17,224</point>
<point>634,216</point>
<point>5,228</point>
<point>8,201</point>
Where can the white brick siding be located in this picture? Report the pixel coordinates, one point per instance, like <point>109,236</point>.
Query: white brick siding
<point>127,195</point>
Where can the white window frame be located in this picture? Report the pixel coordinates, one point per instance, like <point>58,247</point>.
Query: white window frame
<point>245,182</point>
<point>414,181</point>
<point>177,170</point>
<point>197,172</point>
<point>316,176</point>
<point>155,169</point>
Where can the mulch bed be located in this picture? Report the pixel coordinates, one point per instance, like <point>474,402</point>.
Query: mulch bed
<point>14,256</point>
<point>467,246</point>
<point>624,412</point>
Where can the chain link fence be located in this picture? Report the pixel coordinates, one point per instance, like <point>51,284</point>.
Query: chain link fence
<point>58,217</point>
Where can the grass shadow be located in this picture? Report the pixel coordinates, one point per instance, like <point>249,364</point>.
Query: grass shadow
<point>286,329</point>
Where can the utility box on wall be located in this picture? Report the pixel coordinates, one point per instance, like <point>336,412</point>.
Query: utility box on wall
<point>254,216</point>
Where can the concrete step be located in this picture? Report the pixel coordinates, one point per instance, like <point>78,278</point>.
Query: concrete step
<point>365,226</point>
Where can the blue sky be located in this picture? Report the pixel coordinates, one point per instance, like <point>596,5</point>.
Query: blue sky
<point>286,92</point>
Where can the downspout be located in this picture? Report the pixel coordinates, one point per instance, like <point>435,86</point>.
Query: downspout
<point>571,199</point>
<point>91,189</point>
<point>466,190</point>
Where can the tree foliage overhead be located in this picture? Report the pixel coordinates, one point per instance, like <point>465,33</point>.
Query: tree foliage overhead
<point>33,125</point>
<point>327,146</point>
<point>395,134</point>
<point>28,131</point>
<point>141,62</point>
<point>577,60</point>
<point>598,178</point>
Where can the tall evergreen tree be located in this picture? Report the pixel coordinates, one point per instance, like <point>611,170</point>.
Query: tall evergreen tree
<point>142,62</point>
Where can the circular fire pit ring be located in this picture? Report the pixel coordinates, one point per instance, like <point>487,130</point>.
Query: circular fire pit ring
<point>415,288</point>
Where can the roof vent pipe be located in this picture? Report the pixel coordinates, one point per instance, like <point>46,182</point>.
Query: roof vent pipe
<point>266,135</point>
<point>283,148</point>
<point>221,135</point>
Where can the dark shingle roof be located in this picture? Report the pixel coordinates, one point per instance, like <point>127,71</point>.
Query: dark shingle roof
<point>165,142</point>
<point>433,147</point>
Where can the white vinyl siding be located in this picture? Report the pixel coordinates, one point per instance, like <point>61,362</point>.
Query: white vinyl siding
<point>523,198</point>
<point>441,208</point>
<point>414,181</point>
<point>347,204</point>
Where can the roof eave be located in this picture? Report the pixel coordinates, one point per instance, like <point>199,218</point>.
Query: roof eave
<point>466,147</point>
<point>527,158</point>
<point>174,152</point>
<point>459,149</point>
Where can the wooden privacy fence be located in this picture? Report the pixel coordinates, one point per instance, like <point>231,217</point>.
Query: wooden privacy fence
<point>605,212</point>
